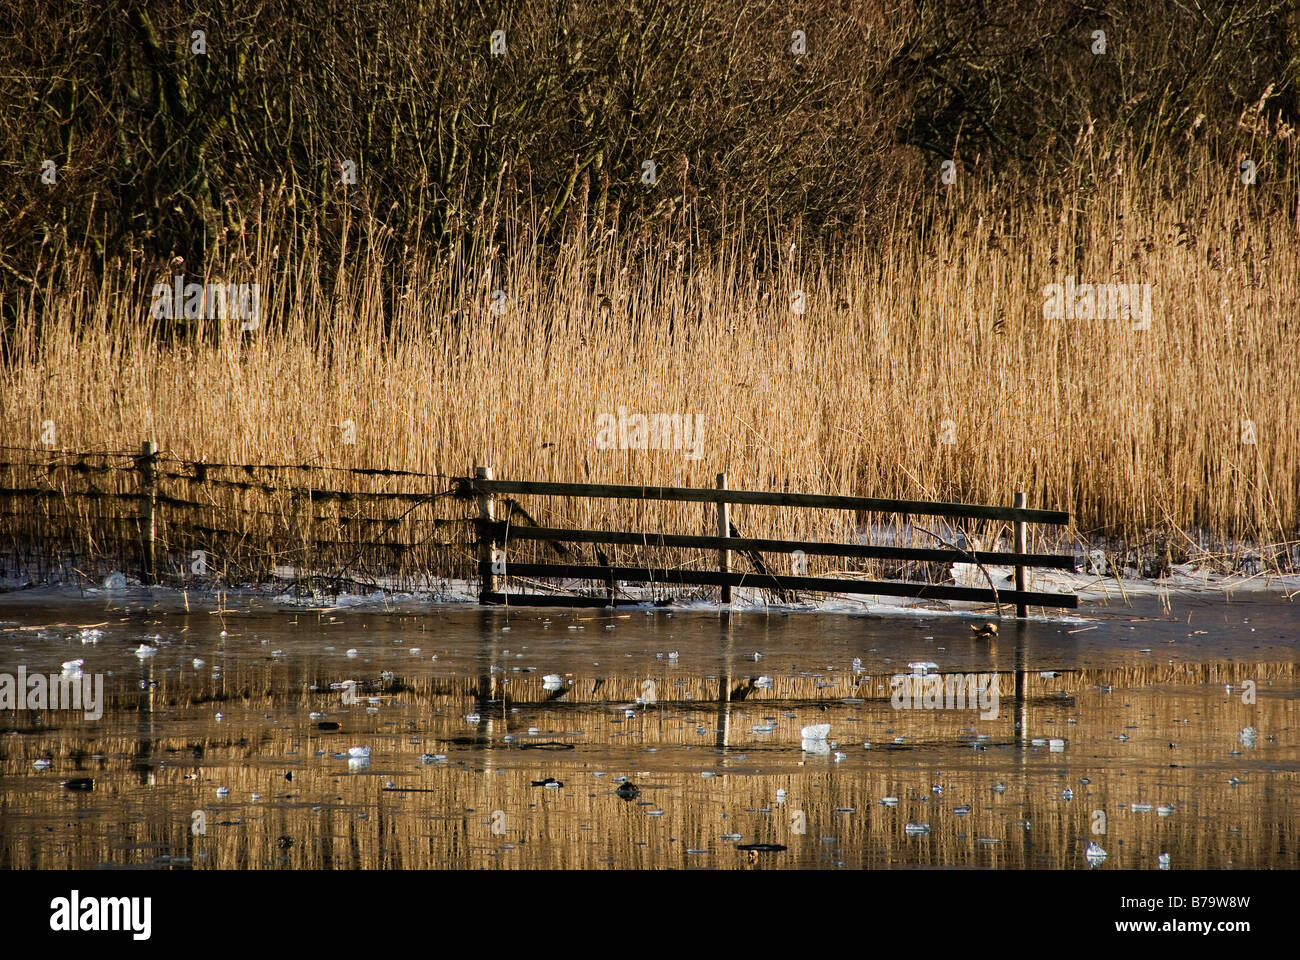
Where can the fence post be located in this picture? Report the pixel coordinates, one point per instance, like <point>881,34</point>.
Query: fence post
<point>724,530</point>
<point>148,508</point>
<point>1022,611</point>
<point>486,545</point>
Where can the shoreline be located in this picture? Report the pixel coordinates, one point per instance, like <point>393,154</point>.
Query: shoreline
<point>1093,592</point>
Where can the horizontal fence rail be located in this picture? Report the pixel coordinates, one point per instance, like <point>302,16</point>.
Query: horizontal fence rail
<point>495,535</point>
<point>884,588</point>
<point>500,531</point>
<point>481,486</point>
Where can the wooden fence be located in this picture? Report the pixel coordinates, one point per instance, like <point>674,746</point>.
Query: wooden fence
<point>193,522</point>
<point>187,522</point>
<point>494,537</point>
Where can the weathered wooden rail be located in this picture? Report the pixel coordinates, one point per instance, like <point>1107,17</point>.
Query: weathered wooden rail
<point>495,536</point>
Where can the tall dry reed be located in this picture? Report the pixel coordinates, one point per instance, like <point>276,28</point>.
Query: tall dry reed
<point>934,332</point>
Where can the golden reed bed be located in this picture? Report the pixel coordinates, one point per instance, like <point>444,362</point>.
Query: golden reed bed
<point>916,364</point>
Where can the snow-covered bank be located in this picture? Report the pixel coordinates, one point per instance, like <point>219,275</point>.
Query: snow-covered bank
<point>1182,581</point>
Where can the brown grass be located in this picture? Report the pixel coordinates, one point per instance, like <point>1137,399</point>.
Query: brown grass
<point>1138,433</point>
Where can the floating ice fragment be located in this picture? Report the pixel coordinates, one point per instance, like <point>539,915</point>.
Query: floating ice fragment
<point>816,731</point>
<point>1164,861</point>
<point>144,650</point>
<point>358,751</point>
<point>223,791</point>
<point>1095,854</point>
<point>916,829</point>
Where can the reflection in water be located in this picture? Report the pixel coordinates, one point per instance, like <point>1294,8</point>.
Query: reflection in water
<point>1137,733</point>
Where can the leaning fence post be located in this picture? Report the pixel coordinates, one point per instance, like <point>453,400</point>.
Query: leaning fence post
<point>724,530</point>
<point>148,506</point>
<point>1022,610</point>
<point>486,545</point>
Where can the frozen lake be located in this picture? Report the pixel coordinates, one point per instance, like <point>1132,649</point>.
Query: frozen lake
<point>225,743</point>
